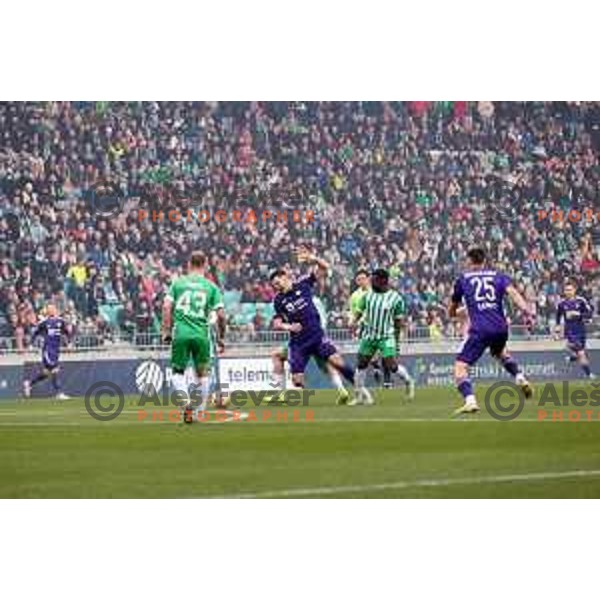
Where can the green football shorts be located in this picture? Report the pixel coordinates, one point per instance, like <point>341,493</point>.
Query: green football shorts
<point>196,347</point>
<point>386,347</point>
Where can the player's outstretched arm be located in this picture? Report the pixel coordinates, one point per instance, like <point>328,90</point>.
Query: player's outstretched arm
<point>322,266</point>
<point>38,330</point>
<point>456,300</point>
<point>588,311</point>
<point>558,327</point>
<point>521,304</point>
<point>398,325</point>
<point>518,299</point>
<point>355,321</point>
<point>35,333</point>
<point>454,309</point>
<point>461,313</point>
<point>280,325</point>
<point>357,312</point>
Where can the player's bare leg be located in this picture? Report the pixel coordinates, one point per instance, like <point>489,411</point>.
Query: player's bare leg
<point>196,402</point>
<point>55,382</point>
<point>510,365</point>
<point>278,362</point>
<point>203,374</point>
<point>387,378</point>
<point>333,374</point>
<point>47,373</point>
<point>362,394</point>
<point>465,387</point>
<point>58,393</point>
<point>338,362</point>
<point>571,356</point>
<point>391,368</point>
<point>378,372</point>
<point>298,380</point>
<point>28,384</point>
<point>41,376</point>
<point>181,395</point>
<point>584,363</point>
<point>342,393</point>
<point>26,389</point>
<point>336,366</point>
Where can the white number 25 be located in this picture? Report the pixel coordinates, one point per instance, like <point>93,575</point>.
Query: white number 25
<point>484,289</point>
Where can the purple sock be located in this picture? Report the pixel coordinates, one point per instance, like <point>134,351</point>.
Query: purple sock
<point>586,370</point>
<point>465,387</point>
<point>510,364</point>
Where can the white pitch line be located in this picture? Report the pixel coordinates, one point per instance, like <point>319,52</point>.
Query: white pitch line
<point>419,483</point>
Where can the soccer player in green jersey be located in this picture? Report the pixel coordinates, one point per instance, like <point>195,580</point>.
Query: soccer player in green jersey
<point>363,285</point>
<point>186,311</point>
<point>382,310</point>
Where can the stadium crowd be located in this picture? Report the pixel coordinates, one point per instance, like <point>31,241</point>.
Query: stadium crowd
<point>407,185</point>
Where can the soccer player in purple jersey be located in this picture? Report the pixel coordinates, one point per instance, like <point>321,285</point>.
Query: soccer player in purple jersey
<point>574,311</point>
<point>296,313</point>
<point>52,329</point>
<point>483,291</point>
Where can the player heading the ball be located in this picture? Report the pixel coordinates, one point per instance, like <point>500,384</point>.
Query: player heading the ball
<point>296,313</point>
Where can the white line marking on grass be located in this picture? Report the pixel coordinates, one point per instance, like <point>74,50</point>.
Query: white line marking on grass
<point>419,483</point>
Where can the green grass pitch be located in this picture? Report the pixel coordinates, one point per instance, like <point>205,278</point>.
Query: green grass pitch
<point>393,449</point>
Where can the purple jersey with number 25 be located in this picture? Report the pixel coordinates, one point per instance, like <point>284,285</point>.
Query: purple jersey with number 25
<point>483,294</point>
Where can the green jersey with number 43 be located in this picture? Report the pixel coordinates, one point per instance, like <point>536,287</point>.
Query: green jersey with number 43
<point>194,297</point>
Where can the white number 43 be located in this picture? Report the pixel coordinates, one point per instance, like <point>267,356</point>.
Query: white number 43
<point>192,302</point>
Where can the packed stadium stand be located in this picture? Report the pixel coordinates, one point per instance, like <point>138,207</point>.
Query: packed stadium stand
<point>407,185</point>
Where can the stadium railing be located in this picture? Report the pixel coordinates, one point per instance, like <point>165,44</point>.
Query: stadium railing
<point>245,340</point>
